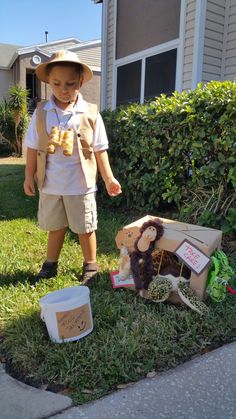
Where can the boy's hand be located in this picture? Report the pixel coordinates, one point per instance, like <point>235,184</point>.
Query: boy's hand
<point>113,187</point>
<point>29,187</point>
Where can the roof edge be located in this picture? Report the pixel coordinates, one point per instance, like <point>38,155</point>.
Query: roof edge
<point>86,44</point>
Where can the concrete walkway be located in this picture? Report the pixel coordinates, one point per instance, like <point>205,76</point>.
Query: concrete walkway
<point>204,388</point>
<point>19,401</point>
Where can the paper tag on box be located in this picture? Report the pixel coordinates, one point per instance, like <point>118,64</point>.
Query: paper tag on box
<point>73,322</point>
<point>192,257</point>
<point>118,283</point>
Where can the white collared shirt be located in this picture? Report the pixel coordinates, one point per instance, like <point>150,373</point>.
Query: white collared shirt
<point>64,175</point>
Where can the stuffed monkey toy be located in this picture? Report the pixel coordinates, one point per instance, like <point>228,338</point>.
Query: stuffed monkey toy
<point>150,232</point>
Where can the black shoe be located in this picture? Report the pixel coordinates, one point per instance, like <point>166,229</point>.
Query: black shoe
<point>90,272</point>
<point>48,270</point>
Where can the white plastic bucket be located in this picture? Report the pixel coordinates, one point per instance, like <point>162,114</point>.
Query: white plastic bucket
<point>67,313</point>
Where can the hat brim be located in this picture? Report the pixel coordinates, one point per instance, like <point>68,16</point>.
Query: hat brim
<point>41,70</point>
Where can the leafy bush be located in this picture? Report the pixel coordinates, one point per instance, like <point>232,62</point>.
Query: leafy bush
<point>176,148</point>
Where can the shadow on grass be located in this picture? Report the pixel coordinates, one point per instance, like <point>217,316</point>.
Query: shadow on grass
<point>19,277</point>
<point>63,279</point>
<point>20,329</point>
<point>14,203</point>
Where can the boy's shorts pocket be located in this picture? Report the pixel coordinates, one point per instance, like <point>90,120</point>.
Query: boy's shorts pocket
<point>90,217</point>
<point>81,212</point>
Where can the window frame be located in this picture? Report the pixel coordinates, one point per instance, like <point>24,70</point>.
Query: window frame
<point>142,56</point>
<point>177,43</point>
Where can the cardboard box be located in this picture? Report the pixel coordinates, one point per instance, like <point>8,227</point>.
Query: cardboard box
<point>207,240</point>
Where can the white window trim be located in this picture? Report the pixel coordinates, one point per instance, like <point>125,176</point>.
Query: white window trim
<point>141,56</point>
<point>143,75</point>
<point>148,52</point>
<point>114,70</point>
<point>103,90</point>
<point>198,48</point>
<point>180,49</point>
<point>177,43</point>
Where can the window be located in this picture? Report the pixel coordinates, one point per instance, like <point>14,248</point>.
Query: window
<point>128,83</point>
<point>160,74</point>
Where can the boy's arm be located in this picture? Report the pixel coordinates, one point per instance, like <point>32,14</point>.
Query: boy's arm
<point>30,170</point>
<point>112,185</point>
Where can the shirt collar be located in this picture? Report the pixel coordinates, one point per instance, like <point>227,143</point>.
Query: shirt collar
<point>80,106</point>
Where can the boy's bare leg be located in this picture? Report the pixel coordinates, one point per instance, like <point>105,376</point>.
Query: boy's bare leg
<point>49,267</point>
<point>55,243</point>
<point>88,244</point>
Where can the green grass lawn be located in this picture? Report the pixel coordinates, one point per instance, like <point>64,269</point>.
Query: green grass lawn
<point>130,338</point>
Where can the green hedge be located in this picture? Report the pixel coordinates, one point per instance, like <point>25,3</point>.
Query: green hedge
<point>177,149</point>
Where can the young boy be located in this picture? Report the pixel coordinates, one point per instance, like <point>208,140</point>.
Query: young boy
<point>67,183</point>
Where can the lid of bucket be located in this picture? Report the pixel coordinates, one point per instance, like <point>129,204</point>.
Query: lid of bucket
<point>64,294</point>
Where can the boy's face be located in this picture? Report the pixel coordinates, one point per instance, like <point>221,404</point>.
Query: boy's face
<point>65,83</point>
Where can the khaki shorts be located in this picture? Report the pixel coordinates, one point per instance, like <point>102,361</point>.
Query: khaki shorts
<point>78,212</point>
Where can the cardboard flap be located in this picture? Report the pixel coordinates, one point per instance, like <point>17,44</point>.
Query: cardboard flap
<point>174,225</point>
<point>175,232</point>
<point>208,237</point>
<point>138,223</point>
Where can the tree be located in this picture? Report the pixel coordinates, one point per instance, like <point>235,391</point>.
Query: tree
<point>18,104</point>
<point>7,131</point>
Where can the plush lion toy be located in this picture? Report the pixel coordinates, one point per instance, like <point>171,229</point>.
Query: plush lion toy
<point>150,232</point>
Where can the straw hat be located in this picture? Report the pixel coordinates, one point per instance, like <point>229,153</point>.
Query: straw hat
<point>63,56</point>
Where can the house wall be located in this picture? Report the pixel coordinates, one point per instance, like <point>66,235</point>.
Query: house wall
<point>157,25</point>
<point>219,58</point>
<point>229,71</point>
<point>21,65</point>
<point>219,47</point>
<point>91,89</point>
<point>6,79</point>
<point>25,62</point>
<point>215,28</point>
<point>148,38</point>
<point>214,45</point>
<point>90,56</point>
<point>190,13</point>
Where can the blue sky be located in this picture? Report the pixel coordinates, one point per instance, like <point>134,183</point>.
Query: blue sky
<point>24,22</point>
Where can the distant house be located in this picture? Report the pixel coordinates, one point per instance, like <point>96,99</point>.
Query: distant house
<point>158,46</point>
<point>17,65</point>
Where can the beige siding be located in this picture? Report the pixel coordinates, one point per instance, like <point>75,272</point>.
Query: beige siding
<point>91,56</point>
<point>91,89</point>
<point>230,47</point>
<point>6,79</point>
<point>110,52</point>
<point>188,44</point>
<point>147,24</point>
<point>214,40</point>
